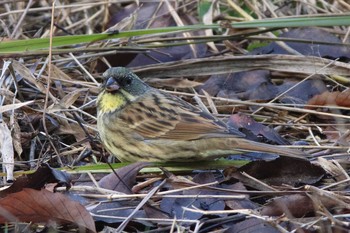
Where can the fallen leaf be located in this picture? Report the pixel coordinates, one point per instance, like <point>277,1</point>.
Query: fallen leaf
<point>175,206</point>
<point>252,225</point>
<point>57,73</point>
<point>296,205</point>
<point>124,179</point>
<point>42,206</point>
<point>9,107</point>
<point>240,120</point>
<point>6,151</point>
<point>67,101</point>
<point>245,203</point>
<point>284,171</point>
<point>37,180</point>
<point>16,136</point>
<point>336,98</point>
<point>28,75</point>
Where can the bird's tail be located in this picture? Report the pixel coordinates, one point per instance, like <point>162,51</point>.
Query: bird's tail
<point>240,144</point>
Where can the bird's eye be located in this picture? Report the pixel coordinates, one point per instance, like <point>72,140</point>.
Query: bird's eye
<point>128,81</point>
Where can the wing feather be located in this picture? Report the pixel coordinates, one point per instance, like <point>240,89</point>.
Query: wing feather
<point>159,115</point>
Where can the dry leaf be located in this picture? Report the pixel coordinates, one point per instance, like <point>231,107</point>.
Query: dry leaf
<point>297,205</point>
<point>27,75</point>
<point>67,101</point>
<point>57,73</point>
<point>16,136</point>
<point>42,176</point>
<point>14,106</point>
<point>330,98</point>
<point>125,179</point>
<point>42,206</point>
<point>6,150</point>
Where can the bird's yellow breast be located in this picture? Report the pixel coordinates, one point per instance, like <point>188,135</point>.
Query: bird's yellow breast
<point>108,102</point>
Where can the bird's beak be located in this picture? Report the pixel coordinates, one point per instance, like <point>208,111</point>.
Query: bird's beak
<point>112,85</point>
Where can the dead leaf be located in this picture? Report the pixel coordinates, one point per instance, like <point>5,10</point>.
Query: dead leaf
<point>175,206</point>
<point>37,180</point>
<point>338,173</point>
<point>303,92</point>
<point>296,205</point>
<point>73,129</point>
<point>336,98</point>
<point>68,100</point>
<point>16,136</point>
<point>6,151</point>
<point>240,120</point>
<point>42,206</point>
<point>57,73</point>
<point>27,75</point>
<point>9,107</point>
<point>245,203</point>
<point>112,212</point>
<point>125,178</point>
<point>284,171</point>
<point>252,225</point>
<point>252,85</point>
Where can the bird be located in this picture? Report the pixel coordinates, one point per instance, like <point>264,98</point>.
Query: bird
<point>137,122</point>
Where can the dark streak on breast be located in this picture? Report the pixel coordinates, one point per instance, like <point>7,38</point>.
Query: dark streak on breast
<point>156,99</point>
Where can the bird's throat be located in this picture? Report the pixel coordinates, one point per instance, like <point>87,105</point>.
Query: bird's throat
<point>110,102</point>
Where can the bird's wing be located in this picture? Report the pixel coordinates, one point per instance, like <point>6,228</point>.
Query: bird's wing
<point>160,115</point>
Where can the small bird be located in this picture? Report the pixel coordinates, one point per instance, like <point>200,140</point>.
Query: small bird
<point>139,123</point>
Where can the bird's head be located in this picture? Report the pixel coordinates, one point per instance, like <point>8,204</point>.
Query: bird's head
<point>120,86</point>
<point>122,80</point>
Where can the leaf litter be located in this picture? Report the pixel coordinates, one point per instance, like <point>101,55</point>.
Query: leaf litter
<point>272,96</point>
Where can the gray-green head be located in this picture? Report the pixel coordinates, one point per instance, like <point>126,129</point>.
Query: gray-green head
<point>121,78</point>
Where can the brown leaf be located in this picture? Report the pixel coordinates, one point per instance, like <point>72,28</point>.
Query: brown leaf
<point>37,180</point>
<point>296,205</point>
<point>28,75</point>
<point>6,150</point>
<point>68,100</point>
<point>254,225</point>
<point>175,206</point>
<point>240,203</point>
<point>243,85</point>
<point>73,129</point>
<point>9,107</point>
<point>330,98</point>
<point>16,136</point>
<point>57,73</point>
<point>284,171</point>
<point>44,207</point>
<point>240,120</point>
<point>125,178</point>
<point>333,168</point>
